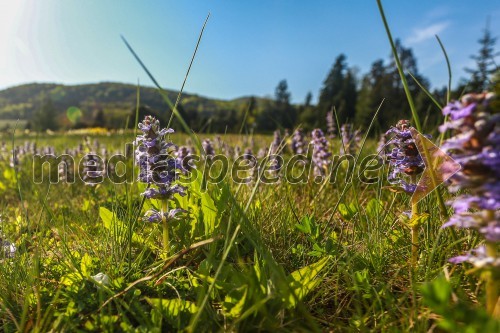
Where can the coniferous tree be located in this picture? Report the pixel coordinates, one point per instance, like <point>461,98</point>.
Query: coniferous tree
<point>282,113</point>
<point>397,106</point>
<point>339,92</point>
<point>99,119</point>
<point>375,87</point>
<point>307,113</point>
<point>485,63</point>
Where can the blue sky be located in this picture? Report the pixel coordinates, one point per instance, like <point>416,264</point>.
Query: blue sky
<point>247,48</point>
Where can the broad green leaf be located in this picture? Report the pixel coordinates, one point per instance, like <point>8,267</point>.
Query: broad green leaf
<point>303,281</point>
<point>209,213</point>
<point>86,265</point>
<point>304,225</point>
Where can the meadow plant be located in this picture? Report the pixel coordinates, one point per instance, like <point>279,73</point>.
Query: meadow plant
<point>249,157</point>
<point>208,148</point>
<point>405,163</point>
<point>159,170</point>
<point>276,144</point>
<point>299,144</point>
<point>321,154</point>
<point>236,153</point>
<point>476,146</point>
<point>262,153</point>
<point>182,155</point>
<point>381,145</point>
<point>248,154</point>
<point>93,170</point>
<point>14,159</point>
<point>331,126</point>
<point>350,139</point>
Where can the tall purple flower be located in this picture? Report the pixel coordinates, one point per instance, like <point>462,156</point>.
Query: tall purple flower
<point>321,154</point>
<point>299,145</point>
<point>404,159</point>
<point>157,166</point>
<point>476,146</point>
<point>252,162</point>
<point>276,144</point>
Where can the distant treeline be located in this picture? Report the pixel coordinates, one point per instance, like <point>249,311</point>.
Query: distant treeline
<point>355,99</point>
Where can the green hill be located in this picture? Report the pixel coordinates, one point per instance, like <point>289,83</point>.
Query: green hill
<point>116,102</point>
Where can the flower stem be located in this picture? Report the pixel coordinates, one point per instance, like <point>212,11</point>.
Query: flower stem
<point>492,286</point>
<point>493,281</point>
<point>166,241</point>
<point>414,229</point>
<point>414,237</point>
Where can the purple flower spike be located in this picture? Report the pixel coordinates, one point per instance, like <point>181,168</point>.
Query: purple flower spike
<point>299,145</point>
<point>404,158</point>
<point>158,167</point>
<point>476,146</point>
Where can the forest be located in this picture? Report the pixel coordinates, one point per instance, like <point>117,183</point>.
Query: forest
<point>354,98</point>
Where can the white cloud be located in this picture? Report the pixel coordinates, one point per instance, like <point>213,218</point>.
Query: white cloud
<point>422,34</point>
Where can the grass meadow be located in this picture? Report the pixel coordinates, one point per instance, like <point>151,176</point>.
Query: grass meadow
<point>312,256</point>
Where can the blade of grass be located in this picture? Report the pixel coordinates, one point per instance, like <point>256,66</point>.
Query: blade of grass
<point>448,91</point>
<point>414,113</point>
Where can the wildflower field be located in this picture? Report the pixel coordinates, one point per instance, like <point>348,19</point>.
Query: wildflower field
<point>316,244</point>
<point>160,229</point>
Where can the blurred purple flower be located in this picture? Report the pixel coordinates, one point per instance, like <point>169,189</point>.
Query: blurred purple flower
<point>321,154</point>
<point>298,145</point>
<point>476,146</point>
<point>331,128</point>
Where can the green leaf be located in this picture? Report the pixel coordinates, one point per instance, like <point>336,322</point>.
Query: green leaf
<point>9,174</point>
<point>175,311</point>
<point>209,213</point>
<point>306,225</point>
<point>86,265</point>
<point>303,281</point>
<point>418,219</point>
<point>117,227</point>
<point>347,212</point>
<point>373,208</point>
<point>234,302</point>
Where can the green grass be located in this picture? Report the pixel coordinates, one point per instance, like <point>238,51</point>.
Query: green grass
<point>275,257</point>
<point>18,124</point>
